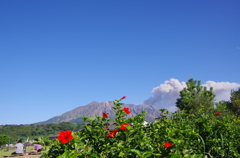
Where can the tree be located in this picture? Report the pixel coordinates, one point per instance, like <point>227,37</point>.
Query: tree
<point>3,139</point>
<point>234,103</point>
<point>194,96</point>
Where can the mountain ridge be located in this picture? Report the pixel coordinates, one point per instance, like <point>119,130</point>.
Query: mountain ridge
<point>96,109</point>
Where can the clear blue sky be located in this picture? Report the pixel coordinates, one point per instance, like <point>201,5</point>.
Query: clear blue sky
<point>57,55</point>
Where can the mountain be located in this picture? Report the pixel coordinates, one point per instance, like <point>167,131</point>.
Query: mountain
<point>96,109</point>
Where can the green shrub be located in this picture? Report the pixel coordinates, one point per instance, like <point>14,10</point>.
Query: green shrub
<point>175,135</point>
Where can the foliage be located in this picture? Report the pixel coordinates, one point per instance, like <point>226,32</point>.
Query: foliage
<point>194,96</point>
<point>3,139</point>
<point>33,131</point>
<point>176,135</point>
<point>44,141</point>
<point>234,104</point>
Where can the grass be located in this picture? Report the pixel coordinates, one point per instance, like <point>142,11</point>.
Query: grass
<point>4,152</point>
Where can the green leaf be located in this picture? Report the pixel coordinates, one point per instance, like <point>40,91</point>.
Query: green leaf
<point>136,152</point>
<point>121,154</point>
<point>147,154</point>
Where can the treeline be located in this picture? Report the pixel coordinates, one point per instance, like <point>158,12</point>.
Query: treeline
<point>32,131</point>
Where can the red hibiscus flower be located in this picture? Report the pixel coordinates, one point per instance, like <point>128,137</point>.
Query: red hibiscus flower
<point>126,110</point>
<point>167,144</point>
<point>124,97</point>
<point>64,137</point>
<point>104,115</point>
<point>218,113</point>
<point>112,134</point>
<point>123,126</point>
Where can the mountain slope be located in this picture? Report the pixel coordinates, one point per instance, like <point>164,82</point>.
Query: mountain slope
<point>96,109</point>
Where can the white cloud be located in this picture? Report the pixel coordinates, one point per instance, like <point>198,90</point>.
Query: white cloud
<point>222,89</point>
<point>166,94</point>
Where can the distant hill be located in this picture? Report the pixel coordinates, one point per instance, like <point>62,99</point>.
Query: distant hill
<point>96,109</point>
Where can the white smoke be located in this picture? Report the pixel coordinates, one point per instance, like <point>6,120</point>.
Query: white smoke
<point>165,95</point>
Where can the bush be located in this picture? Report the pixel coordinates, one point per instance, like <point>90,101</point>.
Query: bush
<point>173,135</point>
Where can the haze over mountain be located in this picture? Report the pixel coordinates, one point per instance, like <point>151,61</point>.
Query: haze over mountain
<point>96,109</point>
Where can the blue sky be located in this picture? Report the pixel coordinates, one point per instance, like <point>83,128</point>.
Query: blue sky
<point>57,55</point>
